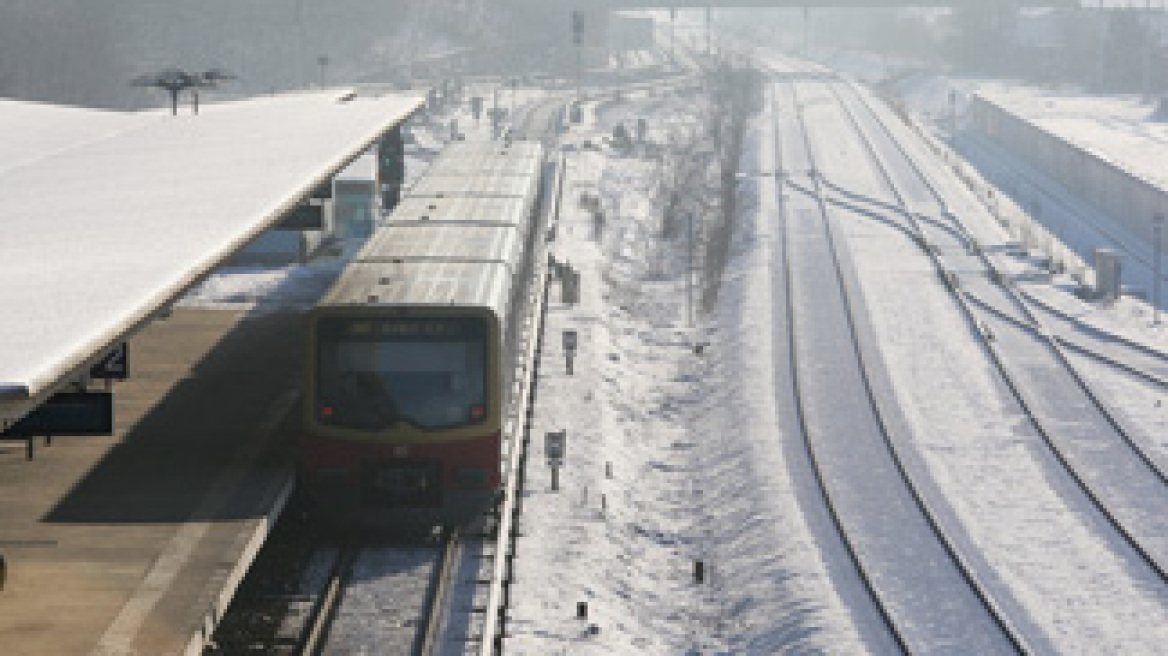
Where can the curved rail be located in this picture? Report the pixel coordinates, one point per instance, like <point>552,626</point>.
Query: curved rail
<point>908,230</point>
<point>1044,335</point>
<point>966,571</point>
<point>816,466</point>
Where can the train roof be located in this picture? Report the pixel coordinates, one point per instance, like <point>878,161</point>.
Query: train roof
<point>420,241</point>
<point>470,150</point>
<point>466,210</point>
<point>520,159</point>
<point>422,284</point>
<point>461,208</point>
<point>480,184</point>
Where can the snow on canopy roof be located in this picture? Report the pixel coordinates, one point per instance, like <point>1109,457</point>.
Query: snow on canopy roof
<point>33,131</point>
<point>107,217</point>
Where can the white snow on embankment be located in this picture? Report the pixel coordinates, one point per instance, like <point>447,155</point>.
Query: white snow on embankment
<point>698,466</point>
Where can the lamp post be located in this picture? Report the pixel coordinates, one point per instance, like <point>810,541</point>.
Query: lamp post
<point>709,19</point>
<point>806,31</point>
<point>323,62</point>
<point>1157,232</point>
<point>577,39</point>
<point>673,36</point>
<point>689,273</point>
<point>299,54</point>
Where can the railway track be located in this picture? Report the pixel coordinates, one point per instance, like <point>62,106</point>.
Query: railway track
<point>1141,361</point>
<point>377,586</point>
<point>1093,442</point>
<point>934,598</point>
<point>294,601</point>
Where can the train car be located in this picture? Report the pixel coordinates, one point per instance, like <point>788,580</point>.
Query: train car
<point>412,353</point>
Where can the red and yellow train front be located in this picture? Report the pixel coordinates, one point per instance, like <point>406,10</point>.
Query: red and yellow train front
<point>404,415</point>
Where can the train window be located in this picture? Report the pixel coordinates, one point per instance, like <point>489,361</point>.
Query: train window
<point>373,374</point>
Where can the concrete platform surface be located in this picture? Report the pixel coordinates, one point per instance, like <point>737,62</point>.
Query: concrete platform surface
<point>126,544</point>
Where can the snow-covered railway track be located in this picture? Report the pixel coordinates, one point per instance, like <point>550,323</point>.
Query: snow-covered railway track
<point>1141,361</point>
<point>382,599</point>
<point>1094,443</point>
<point>929,596</point>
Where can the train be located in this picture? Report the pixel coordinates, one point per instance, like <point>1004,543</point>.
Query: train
<point>412,354</point>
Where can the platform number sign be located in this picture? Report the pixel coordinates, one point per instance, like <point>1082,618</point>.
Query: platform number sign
<point>114,366</point>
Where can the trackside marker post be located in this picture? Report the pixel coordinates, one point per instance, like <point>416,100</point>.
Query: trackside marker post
<point>554,446</point>
<point>570,342</point>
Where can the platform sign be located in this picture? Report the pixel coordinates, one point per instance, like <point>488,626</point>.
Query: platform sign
<point>67,413</point>
<point>303,217</point>
<point>114,366</point>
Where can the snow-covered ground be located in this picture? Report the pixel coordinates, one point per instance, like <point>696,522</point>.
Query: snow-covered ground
<point>700,468</point>
<point>680,450</point>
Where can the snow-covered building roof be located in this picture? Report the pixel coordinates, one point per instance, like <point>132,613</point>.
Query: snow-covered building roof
<point>106,218</point>
<point>1121,130</point>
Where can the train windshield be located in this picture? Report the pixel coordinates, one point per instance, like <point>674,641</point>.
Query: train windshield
<point>373,374</point>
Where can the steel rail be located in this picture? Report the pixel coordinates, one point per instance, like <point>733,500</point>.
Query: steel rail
<point>427,639</point>
<point>1112,418</point>
<point>1094,353</point>
<point>964,567</point>
<point>324,611</point>
<point>813,458</point>
<point>996,356</point>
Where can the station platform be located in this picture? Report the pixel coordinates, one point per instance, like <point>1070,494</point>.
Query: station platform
<point>132,544</point>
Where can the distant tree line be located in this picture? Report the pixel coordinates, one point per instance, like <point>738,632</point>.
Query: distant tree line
<point>1111,50</point>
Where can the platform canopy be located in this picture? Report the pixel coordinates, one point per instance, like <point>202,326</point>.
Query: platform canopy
<point>107,218</point>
